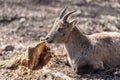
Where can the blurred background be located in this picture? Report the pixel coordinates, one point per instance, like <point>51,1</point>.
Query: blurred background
<point>23,22</point>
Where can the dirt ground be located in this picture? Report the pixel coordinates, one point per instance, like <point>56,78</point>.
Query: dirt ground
<point>23,22</point>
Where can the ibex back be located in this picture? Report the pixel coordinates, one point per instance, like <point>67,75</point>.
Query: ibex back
<point>86,53</point>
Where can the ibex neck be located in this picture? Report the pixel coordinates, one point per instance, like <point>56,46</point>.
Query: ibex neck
<point>76,43</point>
<point>76,37</point>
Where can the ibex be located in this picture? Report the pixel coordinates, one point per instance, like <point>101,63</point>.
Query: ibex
<point>86,53</point>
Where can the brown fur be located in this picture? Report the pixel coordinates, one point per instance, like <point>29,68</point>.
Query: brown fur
<point>86,53</point>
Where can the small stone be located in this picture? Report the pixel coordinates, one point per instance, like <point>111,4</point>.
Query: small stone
<point>22,20</point>
<point>9,48</point>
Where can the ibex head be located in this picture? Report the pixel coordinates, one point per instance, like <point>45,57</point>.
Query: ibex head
<point>61,29</point>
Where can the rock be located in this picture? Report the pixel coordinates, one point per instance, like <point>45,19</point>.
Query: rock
<point>6,18</point>
<point>51,75</point>
<point>9,48</point>
<point>22,20</point>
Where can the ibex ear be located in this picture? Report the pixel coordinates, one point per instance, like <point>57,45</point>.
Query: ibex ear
<point>74,22</point>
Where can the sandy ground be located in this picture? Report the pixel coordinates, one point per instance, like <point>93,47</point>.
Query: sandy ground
<point>23,22</point>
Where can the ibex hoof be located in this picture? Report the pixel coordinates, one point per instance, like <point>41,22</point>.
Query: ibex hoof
<point>85,69</point>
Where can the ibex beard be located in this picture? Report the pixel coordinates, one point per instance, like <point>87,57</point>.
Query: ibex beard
<point>86,53</point>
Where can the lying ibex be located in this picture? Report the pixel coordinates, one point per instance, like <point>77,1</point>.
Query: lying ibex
<point>85,53</point>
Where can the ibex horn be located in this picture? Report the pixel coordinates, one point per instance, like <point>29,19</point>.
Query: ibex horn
<point>62,12</point>
<point>67,15</point>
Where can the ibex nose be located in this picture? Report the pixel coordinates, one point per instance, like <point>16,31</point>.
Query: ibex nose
<point>48,39</point>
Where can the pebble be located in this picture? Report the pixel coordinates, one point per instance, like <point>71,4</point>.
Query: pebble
<point>9,48</point>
